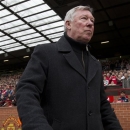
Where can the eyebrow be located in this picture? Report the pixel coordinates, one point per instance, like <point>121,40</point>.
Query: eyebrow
<point>87,16</point>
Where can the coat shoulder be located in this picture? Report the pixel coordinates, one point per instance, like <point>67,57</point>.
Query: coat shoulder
<point>93,57</point>
<point>49,46</point>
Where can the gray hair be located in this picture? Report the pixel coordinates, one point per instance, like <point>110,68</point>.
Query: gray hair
<point>71,13</point>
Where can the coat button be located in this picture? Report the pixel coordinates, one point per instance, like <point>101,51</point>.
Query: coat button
<point>90,113</point>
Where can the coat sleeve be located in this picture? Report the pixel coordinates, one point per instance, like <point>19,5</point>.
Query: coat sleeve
<point>109,119</point>
<point>29,89</point>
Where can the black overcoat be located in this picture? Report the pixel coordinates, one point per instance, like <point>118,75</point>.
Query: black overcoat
<point>54,92</point>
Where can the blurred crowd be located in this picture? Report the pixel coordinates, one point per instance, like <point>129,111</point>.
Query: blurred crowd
<point>117,77</point>
<point>8,84</point>
<point>116,72</point>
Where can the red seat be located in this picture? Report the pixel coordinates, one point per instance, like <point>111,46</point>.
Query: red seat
<point>110,99</point>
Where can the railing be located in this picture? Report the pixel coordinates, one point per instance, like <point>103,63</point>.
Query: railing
<point>115,90</point>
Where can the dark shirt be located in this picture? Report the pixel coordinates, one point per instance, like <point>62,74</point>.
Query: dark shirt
<point>123,99</point>
<point>80,51</point>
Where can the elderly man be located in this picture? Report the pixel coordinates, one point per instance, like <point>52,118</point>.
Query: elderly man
<point>62,86</point>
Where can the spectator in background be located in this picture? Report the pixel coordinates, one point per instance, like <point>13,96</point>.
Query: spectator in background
<point>112,83</point>
<point>108,77</point>
<point>105,81</point>
<point>123,97</point>
<point>7,89</point>
<point>113,78</point>
<point>119,80</point>
<point>11,98</point>
<point>125,71</point>
<point>126,81</point>
<point>128,72</point>
<point>110,72</point>
<point>121,74</point>
<point>116,74</point>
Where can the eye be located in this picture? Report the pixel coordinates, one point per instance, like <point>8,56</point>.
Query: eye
<point>83,18</point>
<point>92,20</point>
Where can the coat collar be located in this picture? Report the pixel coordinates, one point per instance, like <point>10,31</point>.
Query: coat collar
<point>65,48</point>
<point>63,45</point>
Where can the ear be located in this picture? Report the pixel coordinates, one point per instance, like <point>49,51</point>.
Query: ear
<point>68,25</point>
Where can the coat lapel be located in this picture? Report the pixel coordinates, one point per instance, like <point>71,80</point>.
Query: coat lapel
<point>92,68</point>
<point>75,63</point>
<point>65,48</point>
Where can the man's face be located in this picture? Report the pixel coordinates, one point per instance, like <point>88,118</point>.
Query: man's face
<point>108,74</point>
<point>7,87</point>
<point>117,73</point>
<point>125,70</point>
<point>104,77</point>
<point>121,73</point>
<point>122,94</point>
<point>81,28</point>
<point>125,75</point>
<point>119,76</point>
<point>129,73</point>
<point>113,74</point>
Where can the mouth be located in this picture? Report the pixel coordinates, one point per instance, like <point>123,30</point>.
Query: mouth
<point>89,31</point>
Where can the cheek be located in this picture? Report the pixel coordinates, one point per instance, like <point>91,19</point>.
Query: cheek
<point>77,28</point>
<point>93,28</point>
<point>78,25</point>
<point>81,26</point>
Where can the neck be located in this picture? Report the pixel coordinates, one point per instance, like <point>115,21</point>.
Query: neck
<point>75,44</point>
<point>76,38</point>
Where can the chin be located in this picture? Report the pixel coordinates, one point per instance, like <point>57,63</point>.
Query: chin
<point>84,40</point>
<point>87,40</point>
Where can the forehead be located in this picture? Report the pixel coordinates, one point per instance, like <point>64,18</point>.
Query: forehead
<point>80,13</point>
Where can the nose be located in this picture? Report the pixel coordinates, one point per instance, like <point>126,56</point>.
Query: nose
<point>90,22</point>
